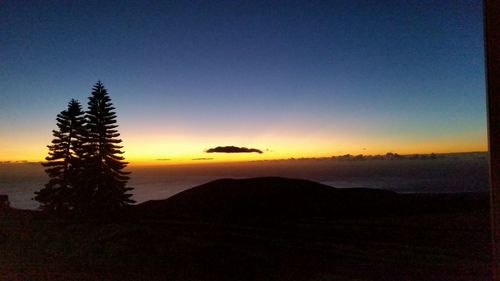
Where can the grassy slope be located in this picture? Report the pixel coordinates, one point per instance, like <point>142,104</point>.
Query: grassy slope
<point>453,245</point>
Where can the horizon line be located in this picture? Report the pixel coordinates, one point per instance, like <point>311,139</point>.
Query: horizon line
<point>194,161</point>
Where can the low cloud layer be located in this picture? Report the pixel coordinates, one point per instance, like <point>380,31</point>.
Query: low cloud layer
<point>202,159</point>
<point>233,149</point>
<point>19,162</point>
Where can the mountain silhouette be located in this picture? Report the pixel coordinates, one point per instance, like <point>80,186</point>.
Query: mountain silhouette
<point>283,199</point>
<point>261,229</point>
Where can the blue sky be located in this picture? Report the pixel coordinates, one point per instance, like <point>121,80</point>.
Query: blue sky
<point>248,72</point>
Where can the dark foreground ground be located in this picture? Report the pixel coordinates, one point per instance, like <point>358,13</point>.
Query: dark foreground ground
<point>229,230</point>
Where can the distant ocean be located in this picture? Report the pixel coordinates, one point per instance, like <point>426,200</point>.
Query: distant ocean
<point>455,173</point>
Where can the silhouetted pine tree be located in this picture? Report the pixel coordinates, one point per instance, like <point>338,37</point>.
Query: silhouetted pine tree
<point>105,181</point>
<point>63,159</point>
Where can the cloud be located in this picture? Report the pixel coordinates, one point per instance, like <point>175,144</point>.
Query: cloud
<point>196,159</point>
<point>163,159</point>
<point>19,162</point>
<point>232,149</point>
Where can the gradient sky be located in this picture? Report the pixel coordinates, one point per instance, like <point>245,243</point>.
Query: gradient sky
<point>292,78</point>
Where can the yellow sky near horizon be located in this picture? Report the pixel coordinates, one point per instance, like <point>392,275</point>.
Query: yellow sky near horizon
<point>153,149</point>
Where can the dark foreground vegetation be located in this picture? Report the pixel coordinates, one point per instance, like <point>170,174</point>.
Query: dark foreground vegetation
<point>259,229</point>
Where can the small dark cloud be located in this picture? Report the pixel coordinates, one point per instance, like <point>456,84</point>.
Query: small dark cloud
<point>232,149</point>
<point>197,159</point>
<point>163,159</point>
<point>19,162</point>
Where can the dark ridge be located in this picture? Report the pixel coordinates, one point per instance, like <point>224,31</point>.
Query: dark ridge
<point>284,199</point>
<point>260,229</point>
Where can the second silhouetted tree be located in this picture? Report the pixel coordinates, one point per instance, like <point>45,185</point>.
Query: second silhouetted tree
<point>104,181</point>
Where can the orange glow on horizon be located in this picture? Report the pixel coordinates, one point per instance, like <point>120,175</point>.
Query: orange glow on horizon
<point>150,150</point>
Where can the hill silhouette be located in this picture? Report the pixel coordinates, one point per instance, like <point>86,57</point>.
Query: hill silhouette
<point>275,198</point>
<point>260,229</point>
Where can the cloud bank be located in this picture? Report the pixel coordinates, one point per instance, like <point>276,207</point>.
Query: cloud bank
<point>233,149</point>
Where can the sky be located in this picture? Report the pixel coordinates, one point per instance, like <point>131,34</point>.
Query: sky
<point>290,78</point>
